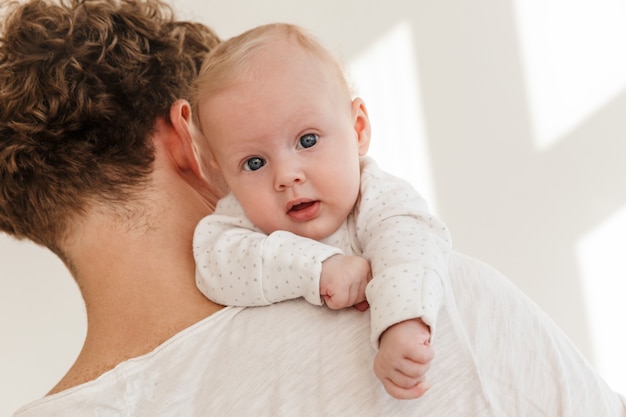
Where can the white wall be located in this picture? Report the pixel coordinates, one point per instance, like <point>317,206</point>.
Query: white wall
<point>508,115</point>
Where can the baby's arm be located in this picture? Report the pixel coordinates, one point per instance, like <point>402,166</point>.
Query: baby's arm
<point>408,249</point>
<point>237,264</point>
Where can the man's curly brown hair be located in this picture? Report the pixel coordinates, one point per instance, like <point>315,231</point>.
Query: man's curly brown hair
<point>82,83</point>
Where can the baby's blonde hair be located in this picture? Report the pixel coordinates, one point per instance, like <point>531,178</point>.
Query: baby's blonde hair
<point>230,62</point>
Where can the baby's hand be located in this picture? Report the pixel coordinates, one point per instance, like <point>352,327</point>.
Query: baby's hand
<point>343,281</point>
<point>403,358</point>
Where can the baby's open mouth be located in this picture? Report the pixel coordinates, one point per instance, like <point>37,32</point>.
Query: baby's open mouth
<point>304,210</point>
<point>302,206</point>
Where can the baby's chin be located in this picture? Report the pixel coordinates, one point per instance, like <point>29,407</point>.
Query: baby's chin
<point>307,229</point>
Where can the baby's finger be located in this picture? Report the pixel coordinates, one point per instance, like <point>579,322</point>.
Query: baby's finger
<point>337,302</point>
<point>362,306</point>
<point>421,354</point>
<point>411,370</point>
<point>410,393</point>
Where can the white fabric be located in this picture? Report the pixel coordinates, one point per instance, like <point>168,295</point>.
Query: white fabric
<point>497,355</point>
<point>239,265</point>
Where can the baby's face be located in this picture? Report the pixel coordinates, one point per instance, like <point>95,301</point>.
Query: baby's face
<point>288,144</point>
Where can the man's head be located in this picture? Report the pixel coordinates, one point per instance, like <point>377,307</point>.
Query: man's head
<point>82,84</point>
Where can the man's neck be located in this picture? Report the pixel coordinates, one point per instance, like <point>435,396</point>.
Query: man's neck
<point>139,291</point>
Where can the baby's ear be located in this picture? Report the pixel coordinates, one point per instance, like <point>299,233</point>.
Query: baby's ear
<point>361,125</point>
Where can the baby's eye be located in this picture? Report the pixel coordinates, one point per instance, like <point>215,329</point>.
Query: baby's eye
<point>307,141</point>
<point>253,164</point>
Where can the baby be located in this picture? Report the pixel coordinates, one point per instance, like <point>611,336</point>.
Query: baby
<point>308,211</point>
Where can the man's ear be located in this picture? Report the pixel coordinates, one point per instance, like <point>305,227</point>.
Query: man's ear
<point>361,125</point>
<point>183,150</point>
<point>189,153</point>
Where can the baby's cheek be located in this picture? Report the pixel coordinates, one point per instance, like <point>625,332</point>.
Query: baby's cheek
<point>264,216</point>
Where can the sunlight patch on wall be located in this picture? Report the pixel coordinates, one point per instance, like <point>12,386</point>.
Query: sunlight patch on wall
<point>602,257</point>
<point>386,77</point>
<point>573,58</point>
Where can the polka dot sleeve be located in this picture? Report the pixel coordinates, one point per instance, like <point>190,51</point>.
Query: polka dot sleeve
<point>407,247</point>
<point>237,264</point>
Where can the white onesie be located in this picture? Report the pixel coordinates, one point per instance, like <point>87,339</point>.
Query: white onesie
<point>390,225</point>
